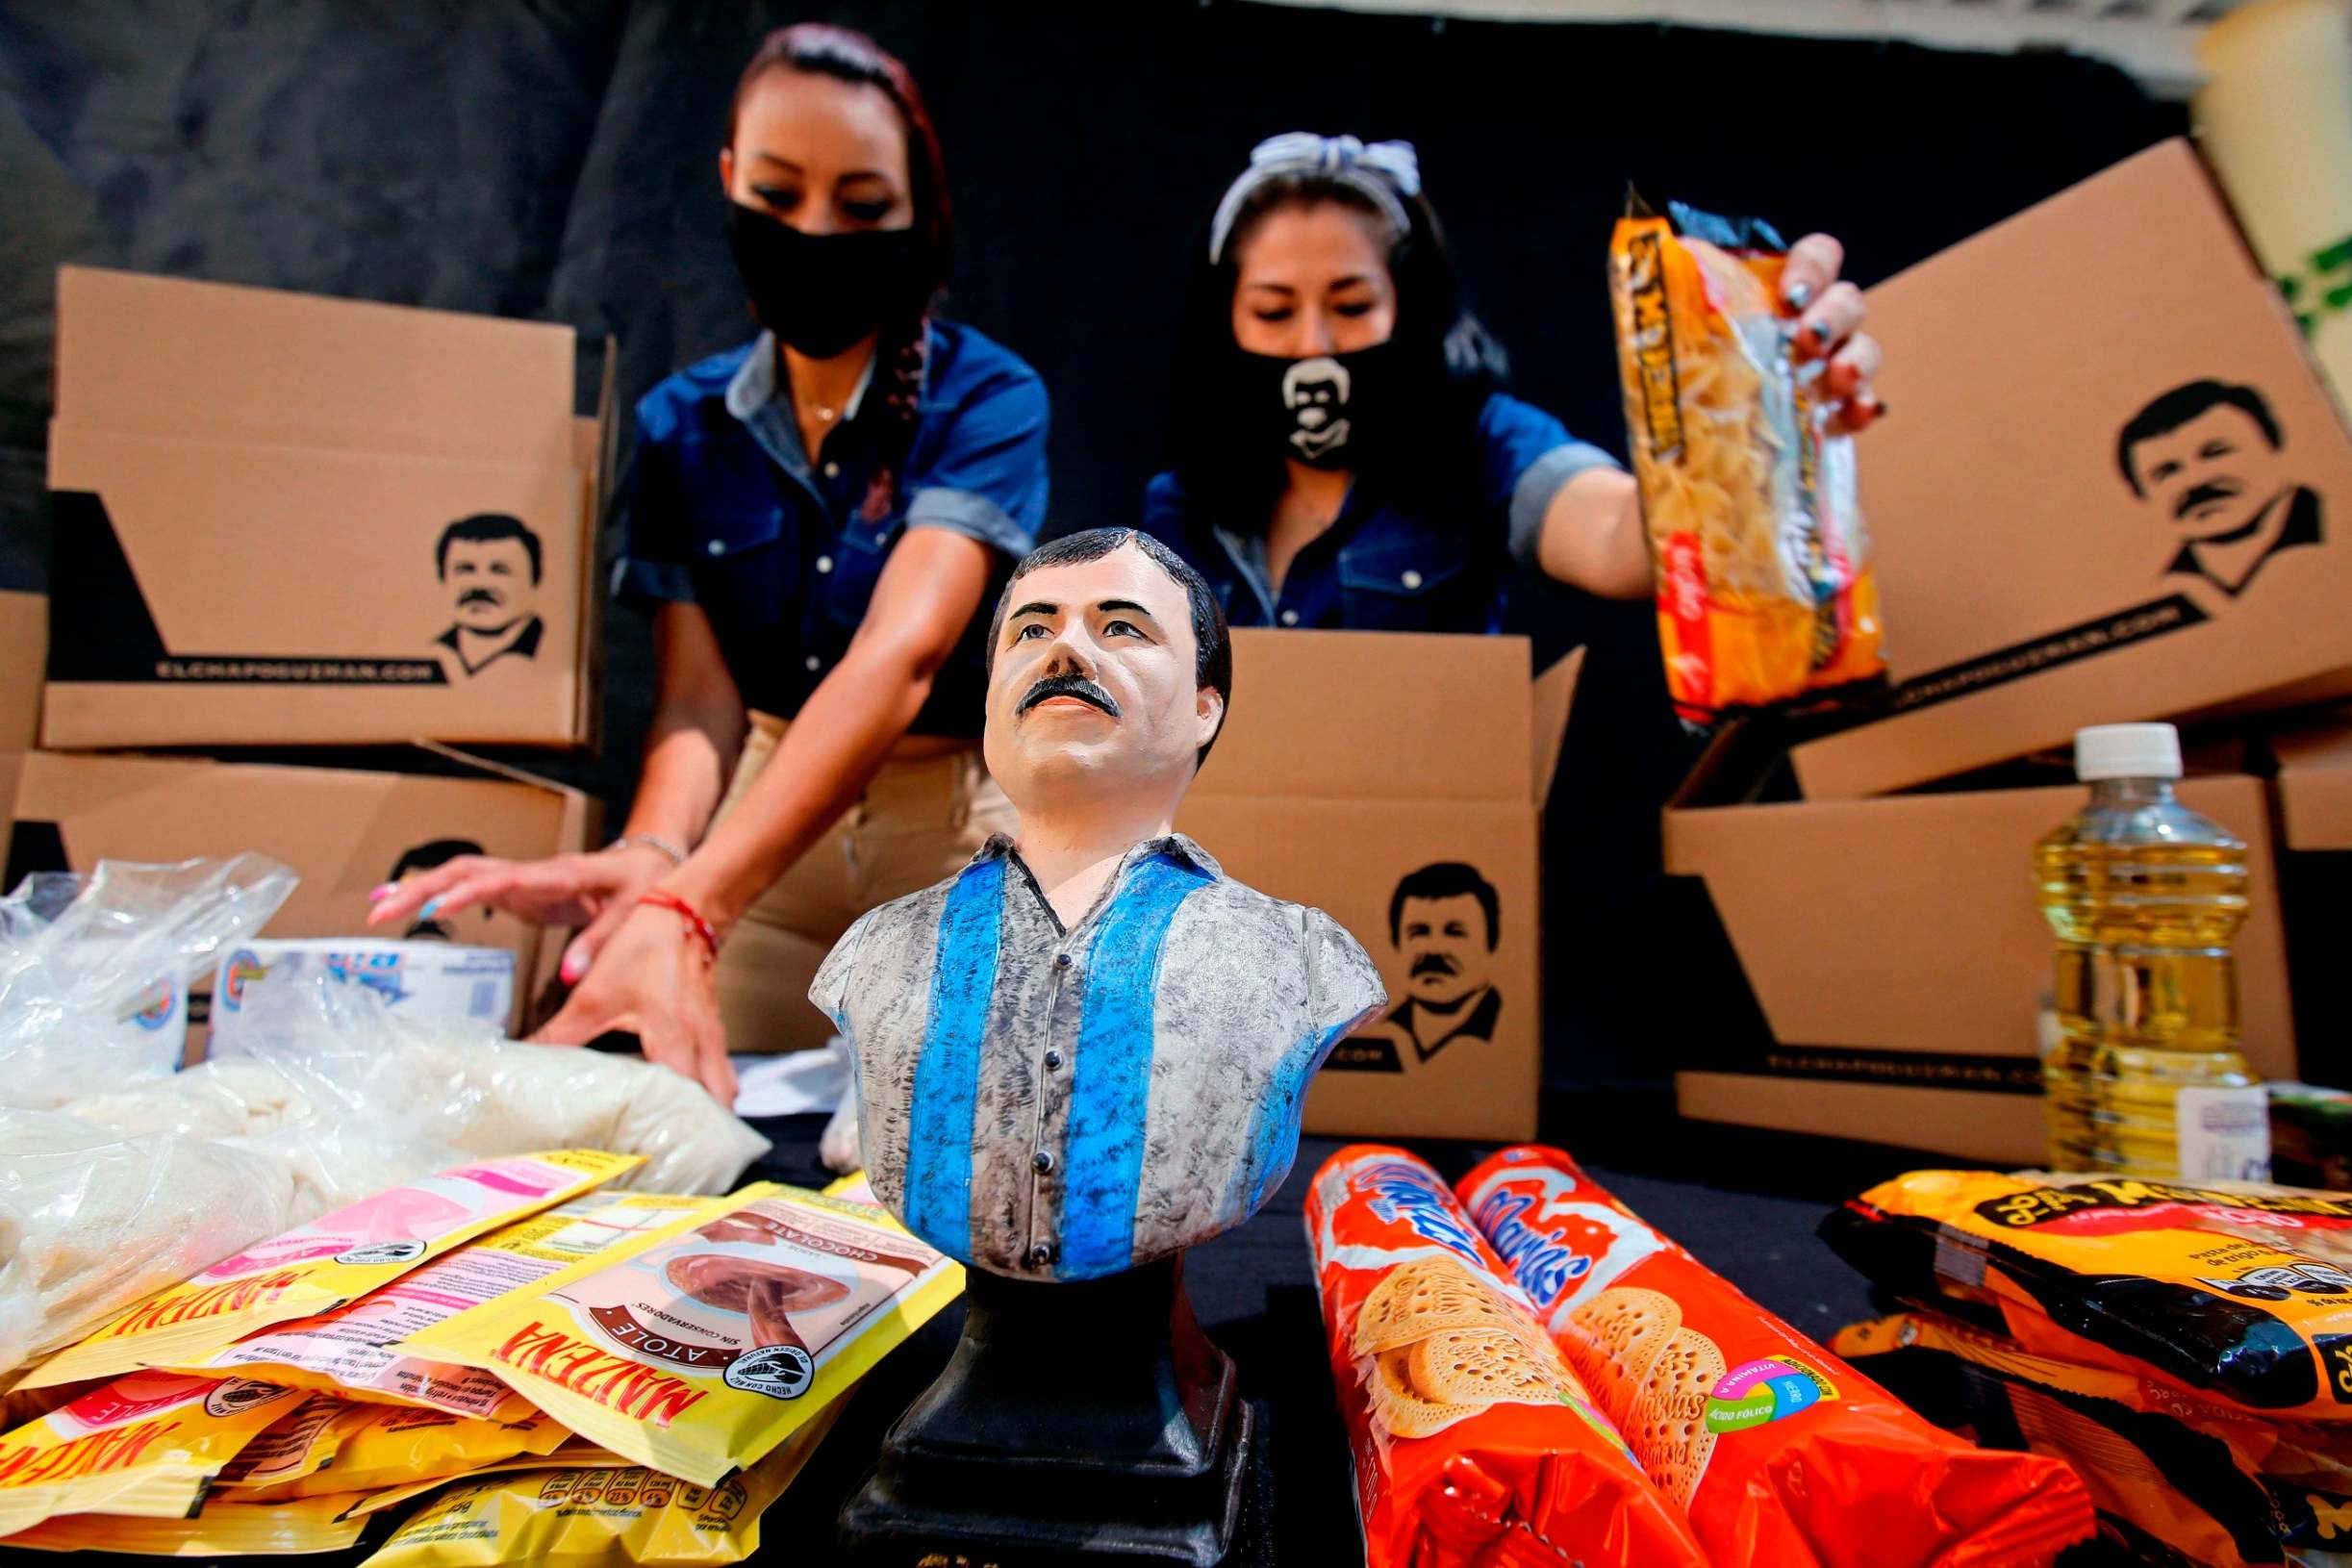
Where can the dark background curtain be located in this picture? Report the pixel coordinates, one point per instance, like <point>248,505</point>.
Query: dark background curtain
<point>556,159</point>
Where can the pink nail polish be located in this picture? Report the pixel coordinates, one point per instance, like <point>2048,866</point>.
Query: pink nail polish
<point>377,895</point>
<point>571,972</point>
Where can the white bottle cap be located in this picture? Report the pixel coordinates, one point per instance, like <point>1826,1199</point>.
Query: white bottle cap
<point>2127,751</point>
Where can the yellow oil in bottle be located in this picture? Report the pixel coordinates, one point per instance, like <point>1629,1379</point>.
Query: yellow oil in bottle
<point>2145,897</point>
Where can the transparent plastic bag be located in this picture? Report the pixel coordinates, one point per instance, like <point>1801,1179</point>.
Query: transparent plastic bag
<point>92,969</point>
<point>316,1054</point>
<point>92,1220</point>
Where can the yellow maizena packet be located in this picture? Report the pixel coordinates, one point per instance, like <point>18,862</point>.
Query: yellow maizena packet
<point>576,1454</point>
<point>314,1524</point>
<point>592,1518</point>
<point>320,1266</point>
<point>347,1350</point>
<point>702,1345</point>
<point>366,1447</point>
<point>147,1444</point>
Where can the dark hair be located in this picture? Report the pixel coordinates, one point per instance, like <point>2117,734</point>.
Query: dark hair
<point>483,528</point>
<point>1451,365</point>
<point>847,55</point>
<point>433,852</point>
<point>1447,879</point>
<point>1212,641</point>
<point>2182,404</point>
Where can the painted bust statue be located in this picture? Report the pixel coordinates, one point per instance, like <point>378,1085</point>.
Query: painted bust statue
<point>1088,1050</point>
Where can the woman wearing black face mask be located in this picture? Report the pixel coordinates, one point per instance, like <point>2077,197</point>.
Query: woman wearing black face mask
<point>814,519</point>
<point>1343,453</point>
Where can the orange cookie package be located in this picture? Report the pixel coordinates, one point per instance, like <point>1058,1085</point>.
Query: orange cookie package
<point>1784,1456</point>
<point>1474,1444</point>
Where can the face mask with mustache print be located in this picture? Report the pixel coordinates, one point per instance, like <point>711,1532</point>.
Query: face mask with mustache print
<point>481,596</point>
<point>1078,686</point>
<point>1436,963</point>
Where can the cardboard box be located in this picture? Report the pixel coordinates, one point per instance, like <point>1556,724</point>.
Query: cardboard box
<point>1899,954</point>
<point>283,520</point>
<point>431,983</point>
<point>342,831</point>
<point>1397,781</point>
<point>2059,376</point>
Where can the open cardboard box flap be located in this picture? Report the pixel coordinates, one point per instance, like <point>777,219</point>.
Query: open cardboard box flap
<point>2025,519</point>
<point>2315,784</point>
<point>1908,923</point>
<point>1389,716</point>
<point>252,489</point>
<point>139,355</point>
<point>342,831</point>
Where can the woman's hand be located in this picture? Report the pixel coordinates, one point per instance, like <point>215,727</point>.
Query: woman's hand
<point>652,979</point>
<point>1828,324</point>
<point>597,891</point>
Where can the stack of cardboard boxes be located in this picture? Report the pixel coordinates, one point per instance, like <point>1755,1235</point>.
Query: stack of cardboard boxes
<point>2117,491</point>
<point>290,521</point>
<point>286,521</point>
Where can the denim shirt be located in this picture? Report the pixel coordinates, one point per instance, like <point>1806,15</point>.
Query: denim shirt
<point>723,508</point>
<point>1387,567</point>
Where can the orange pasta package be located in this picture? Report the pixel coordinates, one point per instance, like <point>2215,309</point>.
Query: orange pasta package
<point>1784,1455</point>
<point>2236,1290</point>
<point>1764,590</point>
<point>2203,1480</point>
<point>1474,1444</point>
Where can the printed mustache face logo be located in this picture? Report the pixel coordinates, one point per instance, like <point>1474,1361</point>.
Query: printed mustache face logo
<point>488,596</point>
<point>1077,686</point>
<point>1436,963</point>
<point>2199,497</point>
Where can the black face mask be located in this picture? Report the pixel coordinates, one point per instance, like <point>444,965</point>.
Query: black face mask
<point>821,292</point>
<point>1320,410</point>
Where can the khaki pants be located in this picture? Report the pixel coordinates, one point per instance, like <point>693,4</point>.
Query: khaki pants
<point>918,823</point>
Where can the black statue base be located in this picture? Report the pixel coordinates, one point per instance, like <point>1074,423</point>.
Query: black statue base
<point>1076,1423</point>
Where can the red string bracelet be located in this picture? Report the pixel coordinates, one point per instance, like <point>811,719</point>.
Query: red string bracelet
<point>692,917</point>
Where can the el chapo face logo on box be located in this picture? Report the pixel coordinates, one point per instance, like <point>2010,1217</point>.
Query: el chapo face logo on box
<point>1444,923</point>
<point>2210,460</point>
<point>2207,461</point>
<point>490,564</point>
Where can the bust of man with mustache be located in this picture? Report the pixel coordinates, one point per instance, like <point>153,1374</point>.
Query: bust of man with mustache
<point>1088,1050</point>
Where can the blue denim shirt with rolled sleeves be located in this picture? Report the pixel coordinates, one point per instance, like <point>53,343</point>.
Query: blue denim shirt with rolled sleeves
<point>723,508</point>
<point>1387,567</point>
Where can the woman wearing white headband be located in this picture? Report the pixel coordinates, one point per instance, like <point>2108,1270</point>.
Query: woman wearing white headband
<point>1343,453</point>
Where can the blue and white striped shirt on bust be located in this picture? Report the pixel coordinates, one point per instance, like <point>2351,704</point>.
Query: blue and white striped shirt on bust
<point>1056,1103</point>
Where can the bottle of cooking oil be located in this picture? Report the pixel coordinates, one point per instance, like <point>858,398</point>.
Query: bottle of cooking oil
<point>2145,896</point>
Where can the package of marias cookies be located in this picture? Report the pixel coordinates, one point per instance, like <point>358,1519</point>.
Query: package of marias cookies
<point>1784,1455</point>
<point>1473,1441</point>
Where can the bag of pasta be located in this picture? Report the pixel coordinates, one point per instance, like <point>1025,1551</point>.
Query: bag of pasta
<point>1764,590</point>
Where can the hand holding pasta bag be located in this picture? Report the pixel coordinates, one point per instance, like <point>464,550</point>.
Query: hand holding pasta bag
<point>1764,590</point>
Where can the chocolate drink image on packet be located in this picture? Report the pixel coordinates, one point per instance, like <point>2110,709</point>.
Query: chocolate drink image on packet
<point>767,1293</point>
